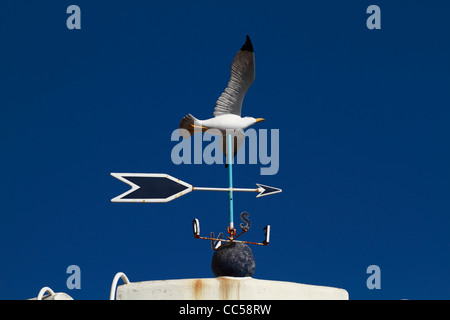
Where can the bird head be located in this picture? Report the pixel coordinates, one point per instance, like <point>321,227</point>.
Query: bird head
<point>249,121</point>
<point>256,120</point>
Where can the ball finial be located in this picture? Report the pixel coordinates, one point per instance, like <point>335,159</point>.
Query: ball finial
<point>233,259</point>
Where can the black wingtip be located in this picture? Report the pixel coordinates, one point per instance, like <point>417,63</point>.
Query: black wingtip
<point>247,45</point>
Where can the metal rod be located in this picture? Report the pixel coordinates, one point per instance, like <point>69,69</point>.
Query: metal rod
<point>240,234</point>
<point>227,240</point>
<point>225,189</point>
<point>230,179</point>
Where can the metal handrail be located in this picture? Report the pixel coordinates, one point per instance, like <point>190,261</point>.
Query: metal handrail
<point>43,291</point>
<point>112,294</point>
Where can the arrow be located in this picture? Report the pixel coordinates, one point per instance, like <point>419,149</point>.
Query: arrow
<point>160,187</point>
<point>266,190</point>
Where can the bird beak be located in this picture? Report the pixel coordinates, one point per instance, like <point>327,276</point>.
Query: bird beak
<point>259,119</point>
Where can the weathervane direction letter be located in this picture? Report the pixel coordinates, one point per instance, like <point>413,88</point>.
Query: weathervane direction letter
<point>215,244</point>
<point>244,217</point>
<point>196,226</point>
<point>267,234</point>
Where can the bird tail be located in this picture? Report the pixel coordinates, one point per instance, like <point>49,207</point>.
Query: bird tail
<point>188,123</point>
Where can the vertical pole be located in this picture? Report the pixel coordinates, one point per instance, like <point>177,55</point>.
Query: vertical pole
<point>230,178</point>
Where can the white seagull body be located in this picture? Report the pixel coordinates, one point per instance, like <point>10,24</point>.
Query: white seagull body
<point>227,113</point>
<point>228,121</point>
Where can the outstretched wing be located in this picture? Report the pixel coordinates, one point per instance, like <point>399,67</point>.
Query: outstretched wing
<point>242,76</point>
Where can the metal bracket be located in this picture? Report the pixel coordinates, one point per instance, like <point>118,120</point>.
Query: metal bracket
<point>217,241</point>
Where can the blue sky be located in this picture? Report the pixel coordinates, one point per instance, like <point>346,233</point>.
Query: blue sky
<point>363,117</point>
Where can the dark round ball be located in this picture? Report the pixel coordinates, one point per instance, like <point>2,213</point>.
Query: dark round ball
<point>233,259</point>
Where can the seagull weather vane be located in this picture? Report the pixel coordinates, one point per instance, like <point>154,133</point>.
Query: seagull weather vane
<point>228,123</point>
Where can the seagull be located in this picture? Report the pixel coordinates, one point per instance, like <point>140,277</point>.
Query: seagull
<point>227,113</point>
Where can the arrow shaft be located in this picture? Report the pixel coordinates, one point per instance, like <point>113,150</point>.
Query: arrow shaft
<point>226,189</point>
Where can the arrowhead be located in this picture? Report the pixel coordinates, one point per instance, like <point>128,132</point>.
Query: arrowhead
<point>266,190</point>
